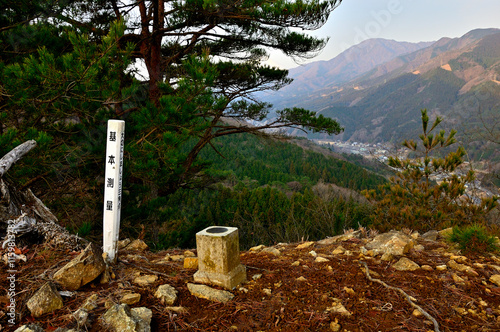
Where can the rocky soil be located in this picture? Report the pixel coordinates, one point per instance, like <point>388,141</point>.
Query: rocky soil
<point>353,282</point>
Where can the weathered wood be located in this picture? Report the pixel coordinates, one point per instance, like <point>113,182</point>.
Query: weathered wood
<point>14,155</point>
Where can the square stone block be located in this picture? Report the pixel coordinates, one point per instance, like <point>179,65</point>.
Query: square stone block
<point>219,257</point>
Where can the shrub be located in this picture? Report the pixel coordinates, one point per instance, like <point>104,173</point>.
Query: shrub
<point>474,239</point>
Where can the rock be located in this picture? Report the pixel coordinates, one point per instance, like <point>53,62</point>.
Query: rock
<point>82,318</point>
<point>305,245</point>
<point>131,298</point>
<point>457,279</point>
<point>209,293</point>
<point>387,257</point>
<point>145,280</point>
<point>445,233</point>
<point>167,294</point>
<point>395,243</point>
<point>321,260</point>
<point>430,235</point>
<point>405,264</point>
<point>301,278</point>
<point>339,250</point>
<point>138,245</point>
<point>495,279</point>
<point>296,263</point>
<point>45,300</point>
<point>121,319</point>
<point>257,276</point>
<point>313,253</point>
<point>335,326</point>
<point>417,313</point>
<point>427,268</point>
<point>189,253</point>
<point>179,310</point>
<point>29,328</point>
<point>191,263</point>
<point>267,291</point>
<point>90,303</point>
<point>338,308</point>
<point>257,248</point>
<point>461,267</point>
<point>123,243</point>
<point>459,259</point>
<point>272,250</point>
<point>340,238</point>
<point>349,291</point>
<point>82,269</point>
<point>441,267</point>
<point>419,247</point>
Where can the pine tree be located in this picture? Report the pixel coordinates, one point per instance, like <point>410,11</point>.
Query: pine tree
<point>416,200</point>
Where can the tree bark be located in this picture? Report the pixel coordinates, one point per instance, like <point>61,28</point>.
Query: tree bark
<point>14,155</point>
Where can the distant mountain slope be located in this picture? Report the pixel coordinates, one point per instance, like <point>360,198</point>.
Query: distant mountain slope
<point>348,65</point>
<point>458,79</point>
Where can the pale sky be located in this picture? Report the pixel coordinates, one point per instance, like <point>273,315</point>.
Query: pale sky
<point>402,20</point>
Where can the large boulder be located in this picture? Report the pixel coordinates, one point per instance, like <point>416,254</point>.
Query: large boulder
<point>394,242</point>
<point>82,269</point>
<point>121,318</point>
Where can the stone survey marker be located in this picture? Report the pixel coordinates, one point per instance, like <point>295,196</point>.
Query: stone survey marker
<point>115,142</point>
<point>219,257</point>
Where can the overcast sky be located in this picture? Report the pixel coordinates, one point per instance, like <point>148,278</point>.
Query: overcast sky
<point>402,20</point>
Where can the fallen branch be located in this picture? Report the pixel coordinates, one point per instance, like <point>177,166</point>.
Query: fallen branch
<point>407,297</point>
<point>14,155</point>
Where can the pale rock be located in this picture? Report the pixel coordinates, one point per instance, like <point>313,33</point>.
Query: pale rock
<point>296,263</point>
<point>137,245</point>
<point>340,238</point>
<point>347,253</point>
<point>131,298</point>
<point>179,310</point>
<point>483,303</point>
<point>90,303</point>
<point>338,308</point>
<point>272,250</point>
<point>427,268</point>
<point>430,235</point>
<point>145,280</point>
<point>191,263</point>
<point>405,264</point>
<point>461,268</point>
<point>441,267</point>
<point>305,245</point>
<point>123,243</point>
<point>167,294</point>
<point>243,289</point>
<point>189,253</point>
<point>460,311</point>
<point>46,300</point>
<point>459,259</point>
<point>387,257</point>
<point>415,235</point>
<point>335,326</point>
<point>30,328</point>
<point>209,293</point>
<point>257,248</point>
<point>301,278</point>
<point>479,265</point>
<point>82,269</point>
<point>257,276</point>
<point>313,253</point>
<point>446,233</point>
<point>495,279</point>
<point>349,291</point>
<point>267,291</point>
<point>82,318</point>
<point>321,260</point>
<point>457,279</point>
<point>176,258</point>
<point>121,318</point>
<point>393,242</point>
<point>419,247</point>
<point>417,313</point>
<point>339,250</point>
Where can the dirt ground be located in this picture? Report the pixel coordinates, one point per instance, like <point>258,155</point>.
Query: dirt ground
<point>293,293</point>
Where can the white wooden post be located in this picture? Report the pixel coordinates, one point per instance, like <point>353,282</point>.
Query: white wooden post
<point>113,187</point>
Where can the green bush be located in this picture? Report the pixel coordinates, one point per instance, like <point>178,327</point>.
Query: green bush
<point>474,239</point>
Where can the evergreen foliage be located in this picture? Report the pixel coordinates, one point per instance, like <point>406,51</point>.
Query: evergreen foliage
<point>474,239</point>
<point>414,200</point>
